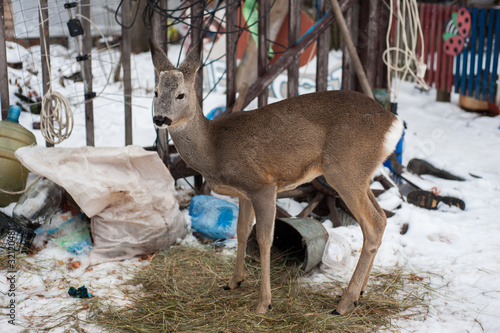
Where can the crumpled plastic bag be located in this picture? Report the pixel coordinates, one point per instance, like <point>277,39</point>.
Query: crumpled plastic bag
<point>127,192</point>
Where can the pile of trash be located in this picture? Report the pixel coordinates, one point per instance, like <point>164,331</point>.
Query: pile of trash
<point>112,203</point>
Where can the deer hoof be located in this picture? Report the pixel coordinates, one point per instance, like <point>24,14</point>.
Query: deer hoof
<point>262,308</point>
<point>228,286</point>
<point>346,306</point>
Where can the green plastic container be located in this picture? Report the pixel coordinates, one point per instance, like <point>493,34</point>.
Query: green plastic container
<point>13,175</point>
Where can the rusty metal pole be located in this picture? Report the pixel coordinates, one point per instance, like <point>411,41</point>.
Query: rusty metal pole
<point>4,78</point>
<point>127,82</point>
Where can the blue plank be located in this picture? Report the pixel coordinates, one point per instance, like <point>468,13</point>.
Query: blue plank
<point>479,69</point>
<point>494,68</point>
<point>472,48</point>
<point>489,43</point>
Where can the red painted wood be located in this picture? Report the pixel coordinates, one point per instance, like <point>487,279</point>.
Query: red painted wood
<point>439,45</point>
<point>450,71</point>
<point>427,35</point>
<point>432,48</point>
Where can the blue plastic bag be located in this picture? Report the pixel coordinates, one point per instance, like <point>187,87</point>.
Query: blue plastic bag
<point>213,218</point>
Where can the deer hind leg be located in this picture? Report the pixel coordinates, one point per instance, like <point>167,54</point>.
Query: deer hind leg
<point>243,229</point>
<point>372,222</point>
<point>264,202</point>
<point>381,214</point>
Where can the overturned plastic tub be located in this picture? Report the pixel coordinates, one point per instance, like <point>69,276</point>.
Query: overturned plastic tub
<point>298,238</point>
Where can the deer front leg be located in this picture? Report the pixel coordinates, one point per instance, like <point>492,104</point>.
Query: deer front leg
<point>265,210</point>
<point>245,219</point>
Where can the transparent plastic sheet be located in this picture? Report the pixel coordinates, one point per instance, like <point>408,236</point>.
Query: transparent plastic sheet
<point>128,193</point>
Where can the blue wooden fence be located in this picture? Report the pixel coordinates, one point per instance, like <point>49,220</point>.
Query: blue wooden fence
<point>476,67</point>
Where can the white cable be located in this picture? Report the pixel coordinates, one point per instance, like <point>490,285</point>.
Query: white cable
<point>56,117</point>
<point>408,31</point>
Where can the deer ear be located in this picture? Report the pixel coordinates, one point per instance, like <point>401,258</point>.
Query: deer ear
<point>192,63</point>
<point>160,59</point>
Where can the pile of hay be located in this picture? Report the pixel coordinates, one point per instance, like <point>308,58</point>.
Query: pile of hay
<point>183,292</point>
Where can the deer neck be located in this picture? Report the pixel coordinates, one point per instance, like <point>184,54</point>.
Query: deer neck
<point>193,142</point>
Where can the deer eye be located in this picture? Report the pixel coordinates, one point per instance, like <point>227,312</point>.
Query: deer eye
<point>156,94</point>
<point>180,96</point>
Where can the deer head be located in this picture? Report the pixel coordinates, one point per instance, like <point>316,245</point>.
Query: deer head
<point>175,94</point>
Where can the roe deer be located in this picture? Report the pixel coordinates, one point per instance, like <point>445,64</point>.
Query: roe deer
<point>252,155</point>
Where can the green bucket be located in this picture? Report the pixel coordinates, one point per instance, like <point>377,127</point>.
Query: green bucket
<point>13,175</point>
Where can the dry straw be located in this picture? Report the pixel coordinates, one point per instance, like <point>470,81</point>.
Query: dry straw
<point>183,292</point>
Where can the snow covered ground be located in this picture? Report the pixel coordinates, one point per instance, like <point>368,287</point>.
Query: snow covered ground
<point>456,252</point>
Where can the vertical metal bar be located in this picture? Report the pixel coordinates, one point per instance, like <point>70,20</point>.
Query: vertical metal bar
<point>494,68</point>
<point>263,48</point>
<point>4,78</point>
<point>323,47</point>
<point>231,42</point>
<point>489,43</point>
<point>479,69</point>
<point>294,22</point>
<point>45,49</point>
<point>87,73</point>
<point>127,82</point>
<point>159,35</point>
<point>473,37</point>
<point>196,35</point>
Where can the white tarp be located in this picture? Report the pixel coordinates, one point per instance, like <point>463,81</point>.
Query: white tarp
<point>128,193</point>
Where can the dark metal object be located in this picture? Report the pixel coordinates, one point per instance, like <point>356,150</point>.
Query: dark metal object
<point>421,167</point>
<point>304,239</point>
<point>75,28</point>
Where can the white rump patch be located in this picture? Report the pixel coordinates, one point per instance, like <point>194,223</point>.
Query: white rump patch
<point>392,136</point>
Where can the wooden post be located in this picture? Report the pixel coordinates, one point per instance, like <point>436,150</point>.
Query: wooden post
<point>159,35</point>
<point>358,67</point>
<point>348,74</point>
<point>45,49</point>
<point>374,34</point>
<point>127,82</point>
<point>231,40</point>
<point>383,14</point>
<point>196,35</point>
<point>293,35</point>
<point>322,50</point>
<point>4,78</point>
<point>263,47</point>
<point>87,73</point>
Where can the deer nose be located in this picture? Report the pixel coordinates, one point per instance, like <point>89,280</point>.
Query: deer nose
<point>161,120</point>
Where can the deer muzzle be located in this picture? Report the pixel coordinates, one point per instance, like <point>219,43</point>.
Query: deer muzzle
<point>161,121</point>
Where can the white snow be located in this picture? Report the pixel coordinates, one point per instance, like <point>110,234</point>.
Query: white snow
<point>457,252</point>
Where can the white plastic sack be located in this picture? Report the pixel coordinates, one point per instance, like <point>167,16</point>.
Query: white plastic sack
<point>128,193</point>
